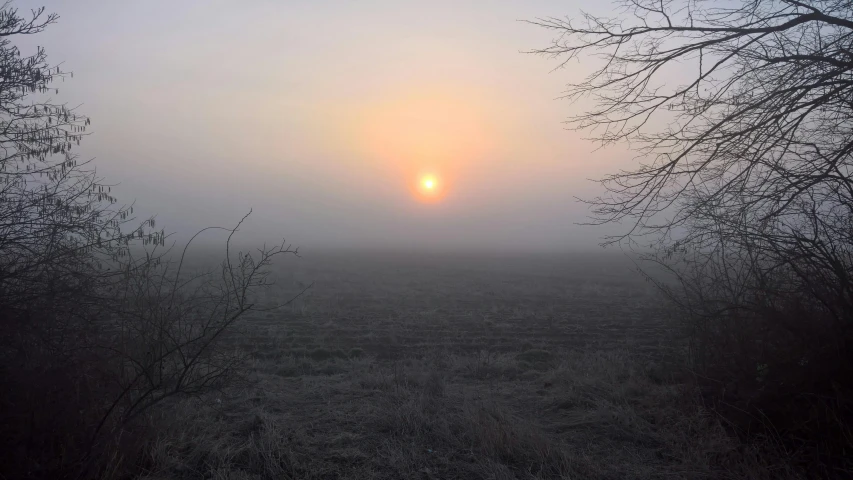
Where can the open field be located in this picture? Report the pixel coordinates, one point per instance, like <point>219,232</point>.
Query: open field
<point>435,367</point>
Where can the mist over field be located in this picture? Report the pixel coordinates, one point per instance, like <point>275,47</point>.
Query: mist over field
<point>491,239</point>
<point>322,117</point>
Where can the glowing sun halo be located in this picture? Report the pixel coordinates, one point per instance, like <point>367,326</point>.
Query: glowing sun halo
<point>429,189</point>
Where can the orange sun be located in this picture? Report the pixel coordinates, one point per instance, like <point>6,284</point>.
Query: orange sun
<point>429,188</point>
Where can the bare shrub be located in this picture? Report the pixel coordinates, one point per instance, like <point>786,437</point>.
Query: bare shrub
<point>159,334</point>
<point>771,345</point>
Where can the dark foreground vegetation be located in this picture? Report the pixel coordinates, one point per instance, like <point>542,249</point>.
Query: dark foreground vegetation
<point>740,114</point>
<point>122,358</point>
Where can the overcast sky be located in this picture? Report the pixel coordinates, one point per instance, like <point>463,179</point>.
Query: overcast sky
<point>326,117</point>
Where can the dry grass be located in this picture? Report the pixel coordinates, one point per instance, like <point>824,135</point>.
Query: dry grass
<point>404,372</point>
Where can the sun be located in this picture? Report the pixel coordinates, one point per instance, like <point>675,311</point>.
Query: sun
<point>429,188</point>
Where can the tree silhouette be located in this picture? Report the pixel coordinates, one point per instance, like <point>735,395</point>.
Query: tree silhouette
<point>101,322</point>
<point>762,123</point>
<point>741,115</point>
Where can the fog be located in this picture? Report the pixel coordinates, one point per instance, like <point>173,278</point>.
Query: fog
<point>325,118</point>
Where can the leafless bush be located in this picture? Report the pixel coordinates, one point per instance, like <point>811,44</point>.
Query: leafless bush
<point>770,340</point>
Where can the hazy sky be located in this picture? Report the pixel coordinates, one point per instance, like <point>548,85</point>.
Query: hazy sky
<point>326,117</point>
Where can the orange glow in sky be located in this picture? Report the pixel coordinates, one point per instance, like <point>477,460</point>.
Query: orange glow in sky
<point>429,189</point>
<point>337,147</point>
<point>418,133</point>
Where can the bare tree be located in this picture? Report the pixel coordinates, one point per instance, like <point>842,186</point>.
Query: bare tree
<point>101,322</point>
<point>741,114</point>
<point>763,120</point>
<point>58,220</point>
